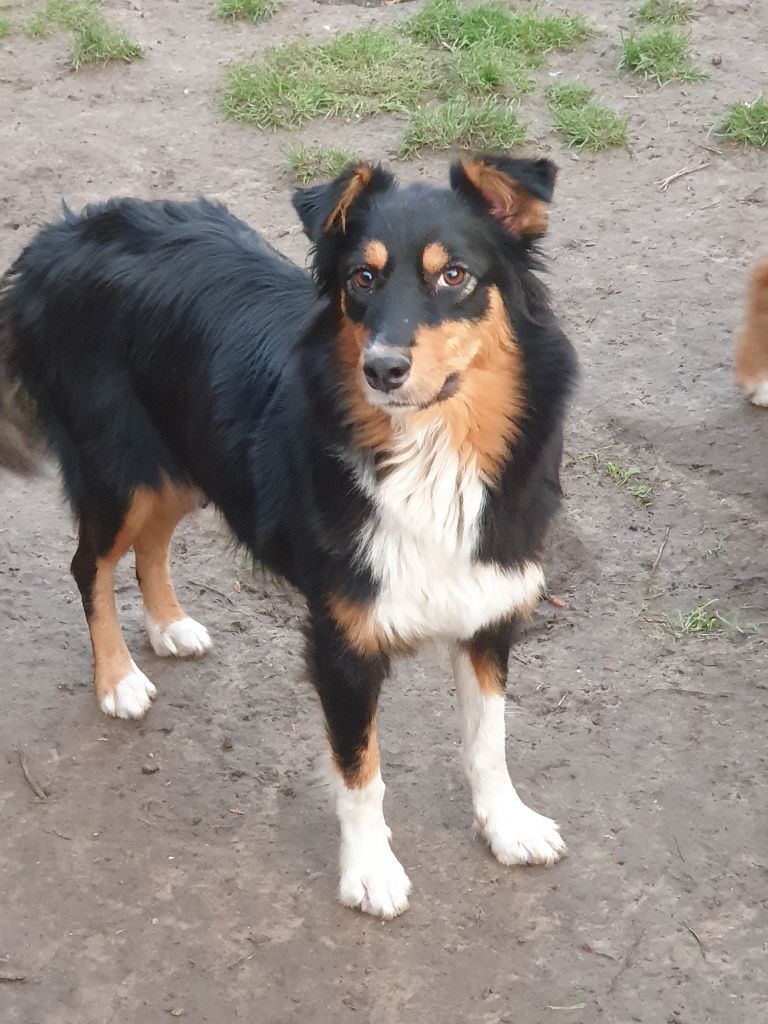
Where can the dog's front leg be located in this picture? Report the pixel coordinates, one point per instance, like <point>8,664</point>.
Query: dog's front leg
<point>515,833</point>
<point>348,683</point>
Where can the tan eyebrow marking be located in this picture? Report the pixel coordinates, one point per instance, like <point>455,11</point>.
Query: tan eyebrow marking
<point>435,258</point>
<point>375,255</point>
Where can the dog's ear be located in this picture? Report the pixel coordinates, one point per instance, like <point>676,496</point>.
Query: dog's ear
<point>325,209</point>
<point>516,192</point>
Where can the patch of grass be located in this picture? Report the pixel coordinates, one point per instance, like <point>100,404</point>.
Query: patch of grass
<point>479,124</point>
<point>569,95</point>
<point>666,12</point>
<point>450,24</point>
<point>747,123</point>
<point>312,162</point>
<point>700,621</point>
<point>61,14</point>
<point>366,72</point>
<point>94,41</point>
<point>663,54</point>
<point>625,477</point>
<point>5,28</point>
<point>583,122</point>
<point>489,68</point>
<point>246,10</point>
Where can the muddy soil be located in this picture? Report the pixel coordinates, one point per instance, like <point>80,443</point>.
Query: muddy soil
<point>186,864</point>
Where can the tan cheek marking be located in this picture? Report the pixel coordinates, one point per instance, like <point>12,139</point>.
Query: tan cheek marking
<point>484,415</point>
<point>435,258</point>
<point>372,426</point>
<point>375,255</point>
<point>752,346</point>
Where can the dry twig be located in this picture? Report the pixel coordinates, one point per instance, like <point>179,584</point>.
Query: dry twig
<point>36,788</point>
<point>663,184</point>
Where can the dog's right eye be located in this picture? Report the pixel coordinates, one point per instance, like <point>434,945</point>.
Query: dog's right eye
<point>362,278</point>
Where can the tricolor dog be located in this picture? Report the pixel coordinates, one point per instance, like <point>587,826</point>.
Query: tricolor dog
<point>385,433</point>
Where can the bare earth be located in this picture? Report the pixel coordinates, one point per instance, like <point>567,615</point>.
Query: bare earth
<point>208,887</point>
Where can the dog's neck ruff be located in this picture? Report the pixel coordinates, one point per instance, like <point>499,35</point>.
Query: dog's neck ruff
<point>421,543</point>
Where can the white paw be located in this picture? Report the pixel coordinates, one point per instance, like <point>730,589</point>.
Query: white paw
<point>518,835</point>
<point>131,698</point>
<point>182,639</point>
<point>757,392</point>
<point>373,879</point>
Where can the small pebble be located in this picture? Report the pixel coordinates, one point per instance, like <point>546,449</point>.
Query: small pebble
<point>150,769</point>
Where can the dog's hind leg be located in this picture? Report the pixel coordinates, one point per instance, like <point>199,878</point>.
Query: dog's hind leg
<point>171,632</point>
<point>752,346</point>
<point>348,684</point>
<point>121,688</point>
<point>515,833</point>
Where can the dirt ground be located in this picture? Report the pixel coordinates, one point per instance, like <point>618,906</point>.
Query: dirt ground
<point>208,885</point>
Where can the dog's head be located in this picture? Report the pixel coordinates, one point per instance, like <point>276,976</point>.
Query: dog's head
<point>420,273</point>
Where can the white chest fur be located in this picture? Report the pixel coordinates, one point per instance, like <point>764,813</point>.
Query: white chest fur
<point>422,542</point>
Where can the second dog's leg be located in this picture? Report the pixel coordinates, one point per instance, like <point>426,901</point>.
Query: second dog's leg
<point>752,346</point>
<point>515,833</point>
<point>348,684</point>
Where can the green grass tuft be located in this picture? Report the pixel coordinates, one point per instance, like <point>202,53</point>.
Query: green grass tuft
<point>747,123</point>
<point>666,12</point>
<point>93,40</point>
<point>366,72</point>
<point>700,620</point>
<point>582,122</point>
<point>310,163</point>
<point>488,68</point>
<point>663,54</point>
<point>246,10</point>
<point>5,28</point>
<point>449,24</point>
<point>483,124</point>
<point>569,95</point>
<point>62,14</point>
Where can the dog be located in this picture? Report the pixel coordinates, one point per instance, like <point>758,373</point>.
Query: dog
<point>385,433</point>
<point>752,343</point>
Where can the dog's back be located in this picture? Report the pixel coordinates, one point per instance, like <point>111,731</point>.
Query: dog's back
<point>175,303</point>
<point>752,345</point>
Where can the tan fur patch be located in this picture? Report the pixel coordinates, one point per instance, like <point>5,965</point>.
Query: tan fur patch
<point>489,679</point>
<point>375,255</point>
<point>519,211</point>
<point>361,178</point>
<point>358,624</point>
<point>484,414</point>
<point>373,428</point>
<point>752,345</point>
<point>435,258</point>
<point>148,525</point>
<point>153,549</point>
<point>369,764</point>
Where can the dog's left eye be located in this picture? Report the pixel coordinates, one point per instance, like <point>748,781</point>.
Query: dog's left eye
<point>452,277</point>
<point>363,278</point>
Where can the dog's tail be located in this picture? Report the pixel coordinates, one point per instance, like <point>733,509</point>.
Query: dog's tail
<point>21,441</point>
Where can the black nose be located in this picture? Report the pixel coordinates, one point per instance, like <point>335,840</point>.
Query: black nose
<point>386,372</point>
